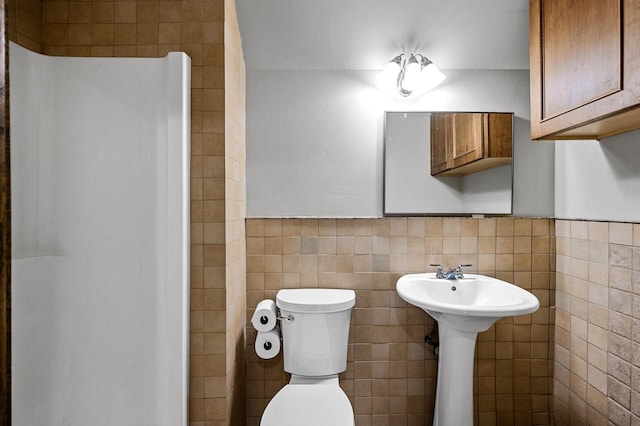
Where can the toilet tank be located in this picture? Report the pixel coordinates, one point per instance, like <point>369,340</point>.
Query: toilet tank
<point>316,335</point>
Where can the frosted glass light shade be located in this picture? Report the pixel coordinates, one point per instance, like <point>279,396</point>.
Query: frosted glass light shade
<point>387,79</point>
<point>411,75</point>
<point>430,77</point>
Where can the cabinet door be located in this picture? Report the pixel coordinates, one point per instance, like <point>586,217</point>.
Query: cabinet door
<point>468,137</point>
<point>584,65</point>
<point>498,130</point>
<point>440,142</point>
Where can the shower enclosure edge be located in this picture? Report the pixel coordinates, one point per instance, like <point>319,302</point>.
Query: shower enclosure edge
<point>179,157</point>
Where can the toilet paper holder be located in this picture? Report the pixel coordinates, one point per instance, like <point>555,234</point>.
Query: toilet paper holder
<point>287,318</point>
<point>264,319</point>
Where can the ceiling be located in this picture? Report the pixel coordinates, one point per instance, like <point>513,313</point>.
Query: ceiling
<point>366,34</point>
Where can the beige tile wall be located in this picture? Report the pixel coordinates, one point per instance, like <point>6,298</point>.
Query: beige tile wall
<point>207,31</point>
<point>235,202</point>
<point>597,364</point>
<point>25,23</point>
<point>391,373</point>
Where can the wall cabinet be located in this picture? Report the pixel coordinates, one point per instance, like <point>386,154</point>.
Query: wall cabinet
<point>585,68</point>
<point>468,142</point>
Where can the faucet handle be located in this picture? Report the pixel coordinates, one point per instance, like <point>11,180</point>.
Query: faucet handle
<point>458,270</point>
<point>440,273</point>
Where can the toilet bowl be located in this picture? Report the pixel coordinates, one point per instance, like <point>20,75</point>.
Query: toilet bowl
<point>315,335</point>
<point>309,404</point>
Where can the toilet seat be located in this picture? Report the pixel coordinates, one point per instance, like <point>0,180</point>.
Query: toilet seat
<point>309,405</point>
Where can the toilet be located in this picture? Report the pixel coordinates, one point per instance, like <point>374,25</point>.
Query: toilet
<point>315,333</point>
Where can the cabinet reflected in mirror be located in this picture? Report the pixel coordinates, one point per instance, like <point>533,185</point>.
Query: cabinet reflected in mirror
<point>410,188</point>
<point>469,142</point>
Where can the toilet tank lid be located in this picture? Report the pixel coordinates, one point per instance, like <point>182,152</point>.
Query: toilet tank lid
<point>321,300</point>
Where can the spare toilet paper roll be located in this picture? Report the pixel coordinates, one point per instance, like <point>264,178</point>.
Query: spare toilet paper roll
<point>268,343</point>
<point>265,317</point>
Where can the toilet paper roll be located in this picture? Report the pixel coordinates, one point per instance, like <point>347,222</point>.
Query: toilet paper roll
<point>267,343</point>
<point>265,316</point>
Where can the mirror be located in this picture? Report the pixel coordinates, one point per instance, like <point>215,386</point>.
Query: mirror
<point>409,188</point>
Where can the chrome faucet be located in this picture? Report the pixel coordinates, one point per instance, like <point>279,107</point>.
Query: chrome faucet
<point>450,274</point>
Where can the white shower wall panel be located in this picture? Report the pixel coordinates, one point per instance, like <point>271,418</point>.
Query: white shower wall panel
<point>100,150</point>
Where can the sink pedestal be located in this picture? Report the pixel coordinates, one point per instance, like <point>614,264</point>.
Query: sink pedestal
<point>454,391</point>
<point>463,307</point>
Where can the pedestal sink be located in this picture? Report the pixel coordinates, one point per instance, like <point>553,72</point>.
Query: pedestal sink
<point>462,307</point>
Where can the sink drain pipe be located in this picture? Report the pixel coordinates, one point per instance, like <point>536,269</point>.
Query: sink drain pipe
<point>433,340</point>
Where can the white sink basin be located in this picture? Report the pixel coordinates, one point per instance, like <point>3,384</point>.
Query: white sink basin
<point>469,304</point>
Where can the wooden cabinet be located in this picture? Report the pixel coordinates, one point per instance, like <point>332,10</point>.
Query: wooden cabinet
<point>585,68</point>
<point>468,142</point>
<point>440,139</point>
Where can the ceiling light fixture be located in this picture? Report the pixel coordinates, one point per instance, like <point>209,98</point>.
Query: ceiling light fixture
<point>414,75</point>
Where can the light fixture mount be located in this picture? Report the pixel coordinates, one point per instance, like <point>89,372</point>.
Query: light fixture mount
<point>418,74</point>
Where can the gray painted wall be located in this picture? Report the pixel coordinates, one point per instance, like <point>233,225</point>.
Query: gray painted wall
<point>599,180</point>
<point>315,139</point>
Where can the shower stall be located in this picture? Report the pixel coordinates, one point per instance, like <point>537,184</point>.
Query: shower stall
<point>100,239</point>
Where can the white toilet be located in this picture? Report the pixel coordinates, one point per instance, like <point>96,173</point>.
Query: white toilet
<point>315,334</point>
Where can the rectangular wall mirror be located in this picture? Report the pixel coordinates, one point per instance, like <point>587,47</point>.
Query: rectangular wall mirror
<point>410,188</point>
